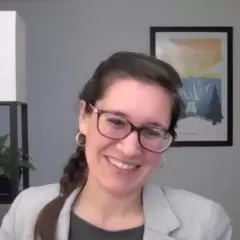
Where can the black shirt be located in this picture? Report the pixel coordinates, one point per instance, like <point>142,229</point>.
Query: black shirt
<point>80,229</point>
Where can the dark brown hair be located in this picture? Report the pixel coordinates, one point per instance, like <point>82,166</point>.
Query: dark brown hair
<point>139,66</point>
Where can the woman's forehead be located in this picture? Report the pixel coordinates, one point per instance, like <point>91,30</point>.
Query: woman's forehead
<point>138,100</point>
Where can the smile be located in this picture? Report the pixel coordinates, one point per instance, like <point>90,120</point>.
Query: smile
<point>121,165</point>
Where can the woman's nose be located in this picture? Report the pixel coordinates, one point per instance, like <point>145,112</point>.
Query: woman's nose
<point>130,145</point>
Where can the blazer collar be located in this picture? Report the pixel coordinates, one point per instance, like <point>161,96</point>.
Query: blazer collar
<point>64,216</point>
<point>160,219</point>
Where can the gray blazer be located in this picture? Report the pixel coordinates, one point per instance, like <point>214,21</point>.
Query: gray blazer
<point>169,215</point>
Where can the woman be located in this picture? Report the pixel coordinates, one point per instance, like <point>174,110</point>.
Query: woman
<point>128,114</point>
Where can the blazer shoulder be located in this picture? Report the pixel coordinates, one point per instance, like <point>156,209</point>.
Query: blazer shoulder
<point>195,210</point>
<point>51,189</point>
<point>33,199</point>
<point>185,203</point>
<point>23,212</point>
<point>38,195</point>
<point>181,196</point>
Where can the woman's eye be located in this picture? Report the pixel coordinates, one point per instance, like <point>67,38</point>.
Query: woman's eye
<point>116,122</point>
<point>152,133</point>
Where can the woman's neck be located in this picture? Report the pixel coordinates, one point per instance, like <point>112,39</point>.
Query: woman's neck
<point>109,211</point>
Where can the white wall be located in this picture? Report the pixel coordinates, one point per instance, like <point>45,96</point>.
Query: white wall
<point>65,42</point>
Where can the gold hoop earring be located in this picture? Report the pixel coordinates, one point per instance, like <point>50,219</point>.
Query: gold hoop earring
<point>162,162</point>
<point>80,139</point>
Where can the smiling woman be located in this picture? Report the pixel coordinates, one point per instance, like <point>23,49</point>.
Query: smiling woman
<point>128,113</point>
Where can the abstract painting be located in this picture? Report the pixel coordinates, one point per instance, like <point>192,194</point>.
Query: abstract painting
<point>203,58</point>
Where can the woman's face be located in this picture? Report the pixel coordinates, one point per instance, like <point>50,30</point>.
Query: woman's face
<point>123,166</point>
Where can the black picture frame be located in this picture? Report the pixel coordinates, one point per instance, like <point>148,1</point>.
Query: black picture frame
<point>207,76</point>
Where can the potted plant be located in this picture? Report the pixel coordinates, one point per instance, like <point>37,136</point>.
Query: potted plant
<point>6,164</point>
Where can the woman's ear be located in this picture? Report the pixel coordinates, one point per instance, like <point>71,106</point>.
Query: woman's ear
<point>83,118</point>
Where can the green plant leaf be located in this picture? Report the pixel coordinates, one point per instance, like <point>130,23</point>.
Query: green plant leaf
<point>26,164</point>
<point>1,171</point>
<point>24,160</point>
<point>3,140</point>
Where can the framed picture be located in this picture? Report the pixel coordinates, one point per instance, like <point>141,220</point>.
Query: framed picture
<point>203,58</point>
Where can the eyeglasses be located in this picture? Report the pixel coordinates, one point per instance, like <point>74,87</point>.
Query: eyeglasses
<point>116,127</point>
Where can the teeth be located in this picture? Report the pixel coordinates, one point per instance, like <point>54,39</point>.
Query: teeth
<point>121,165</point>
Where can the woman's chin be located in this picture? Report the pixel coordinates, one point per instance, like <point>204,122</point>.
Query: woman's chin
<point>121,189</point>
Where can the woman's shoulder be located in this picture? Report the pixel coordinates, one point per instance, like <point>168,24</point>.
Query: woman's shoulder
<point>34,198</point>
<point>40,193</point>
<point>185,203</point>
<point>183,196</point>
<point>189,207</point>
<point>185,214</point>
<point>42,190</point>
<point>187,210</point>
<point>177,197</point>
<point>25,209</point>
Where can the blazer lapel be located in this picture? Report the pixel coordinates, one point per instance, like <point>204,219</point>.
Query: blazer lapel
<point>160,219</point>
<point>64,217</point>
<point>149,234</point>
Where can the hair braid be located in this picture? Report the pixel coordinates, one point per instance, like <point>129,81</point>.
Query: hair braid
<point>74,173</point>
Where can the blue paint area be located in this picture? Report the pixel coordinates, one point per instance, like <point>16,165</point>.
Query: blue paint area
<point>201,97</point>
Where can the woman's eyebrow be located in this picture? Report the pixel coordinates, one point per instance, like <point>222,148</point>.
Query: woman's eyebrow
<point>156,124</point>
<point>119,113</point>
<point>148,124</point>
